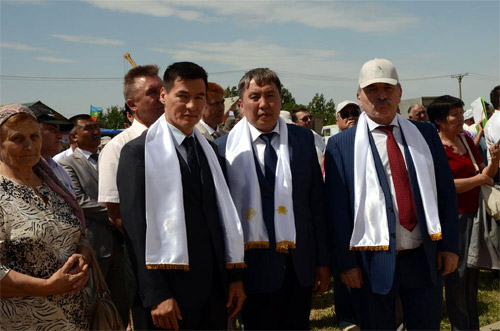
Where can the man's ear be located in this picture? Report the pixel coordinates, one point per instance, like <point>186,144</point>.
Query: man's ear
<point>163,95</point>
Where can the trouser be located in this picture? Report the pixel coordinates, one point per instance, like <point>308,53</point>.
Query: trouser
<point>421,299</point>
<point>286,309</point>
<point>344,306</point>
<point>462,285</point>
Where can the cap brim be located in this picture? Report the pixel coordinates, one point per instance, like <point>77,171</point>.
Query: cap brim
<point>391,81</point>
<point>63,126</point>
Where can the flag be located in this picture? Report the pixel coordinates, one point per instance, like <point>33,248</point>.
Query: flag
<point>94,112</point>
<point>479,112</point>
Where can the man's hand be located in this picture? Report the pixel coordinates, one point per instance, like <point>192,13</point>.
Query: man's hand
<point>114,216</point>
<point>446,262</point>
<point>166,314</point>
<point>352,277</point>
<point>236,298</point>
<point>323,277</point>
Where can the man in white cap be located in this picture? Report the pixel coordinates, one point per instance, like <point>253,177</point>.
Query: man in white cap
<point>347,114</point>
<point>470,128</point>
<point>394,225</point>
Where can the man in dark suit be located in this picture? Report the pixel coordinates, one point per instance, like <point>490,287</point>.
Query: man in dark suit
<point>281,273</point>
<point>202,293</point>
<point>393,234</point>
<point>107,242</point>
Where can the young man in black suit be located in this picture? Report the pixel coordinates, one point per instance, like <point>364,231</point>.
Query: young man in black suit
<point>174,229</point>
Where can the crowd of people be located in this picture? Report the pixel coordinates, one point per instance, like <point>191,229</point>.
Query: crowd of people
<point>200,225</point>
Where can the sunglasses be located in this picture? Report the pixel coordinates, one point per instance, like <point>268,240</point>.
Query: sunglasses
<point>306,118</point>
<point>346,113</point>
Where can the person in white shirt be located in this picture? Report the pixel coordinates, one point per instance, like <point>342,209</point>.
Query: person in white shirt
<point>141,89</point>
<point>492,128</point>
<point>213,114</point>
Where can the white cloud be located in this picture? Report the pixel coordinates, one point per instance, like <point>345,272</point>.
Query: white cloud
<point>23,47</point>
<point>54,60</point>
<point>244,55</point>
<point>357,16</point>
<point>88,40</point>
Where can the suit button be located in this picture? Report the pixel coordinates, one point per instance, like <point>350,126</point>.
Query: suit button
<point>393,235</point>
<point>391,210</point>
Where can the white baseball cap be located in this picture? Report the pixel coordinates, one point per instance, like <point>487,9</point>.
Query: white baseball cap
<point>468,114</point>
<point>345,103</point>
<point>286,116</point>
<point>378,71</point>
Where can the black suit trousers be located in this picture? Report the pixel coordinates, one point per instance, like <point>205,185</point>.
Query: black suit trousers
<point>288,308</point>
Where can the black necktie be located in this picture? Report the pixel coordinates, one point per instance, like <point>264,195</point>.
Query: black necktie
<point>192,159</point>
<point>270,158</point>
<point>95,157</point>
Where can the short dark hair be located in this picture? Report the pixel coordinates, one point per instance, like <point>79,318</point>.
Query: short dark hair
<point>261,76</point>
<point>76,118</point>
<point>439,108</point>
<point>183,70</point>
<point>494,96</point>
<point>295,119</point>
<point>129,89</point>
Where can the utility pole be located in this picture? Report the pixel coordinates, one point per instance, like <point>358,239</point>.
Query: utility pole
<point>459,77</point>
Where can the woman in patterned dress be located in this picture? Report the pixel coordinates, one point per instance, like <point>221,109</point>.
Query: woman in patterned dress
<point>43,266</point>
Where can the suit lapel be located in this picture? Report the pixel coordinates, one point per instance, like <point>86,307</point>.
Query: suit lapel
<point>85,163</point>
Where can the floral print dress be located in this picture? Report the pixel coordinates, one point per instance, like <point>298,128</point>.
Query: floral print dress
<point>36,239</point>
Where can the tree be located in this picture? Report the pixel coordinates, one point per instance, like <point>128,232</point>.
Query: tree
<point>287,99</point>
<point>322,108</point>
<point>231,91</point>
<point>112,119</point>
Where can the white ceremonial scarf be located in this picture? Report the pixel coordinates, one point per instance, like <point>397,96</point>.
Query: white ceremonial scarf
<point>371,230</point>
<point>166,241</point>
<point>245,189</point>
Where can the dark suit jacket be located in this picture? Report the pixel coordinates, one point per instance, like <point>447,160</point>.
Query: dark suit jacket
<point>380,266</point>
<point>84,178</point>
<point>266,267</point>
<point>205,242</point>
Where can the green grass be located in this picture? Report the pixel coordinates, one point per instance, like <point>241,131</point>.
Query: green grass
<point>323,314</point>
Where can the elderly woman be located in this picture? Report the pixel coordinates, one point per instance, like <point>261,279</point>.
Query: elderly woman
<point>446,112</point>
<point>41,231</point>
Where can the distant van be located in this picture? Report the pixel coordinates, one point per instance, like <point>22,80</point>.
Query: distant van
<point>328,131</point>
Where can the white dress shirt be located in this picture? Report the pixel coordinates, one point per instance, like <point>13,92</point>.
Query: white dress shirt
<point>108,162</point>
<point>492,129</point>
<point>259,145</point>
<point>404,239</point>
<point>208,127</point>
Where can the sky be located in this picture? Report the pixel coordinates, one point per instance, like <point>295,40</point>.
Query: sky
<point>69,54</point>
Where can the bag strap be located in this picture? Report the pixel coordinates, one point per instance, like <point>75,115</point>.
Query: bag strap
<point>100,285</point>
<point>473,159</point>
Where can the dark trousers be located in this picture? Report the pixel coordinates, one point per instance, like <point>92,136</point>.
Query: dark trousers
<point>462,285</point>
<point>286,309</point>
<point>113,271</point>
<point>421,300</point>
<point>344,305</point>
<point>212,316</point>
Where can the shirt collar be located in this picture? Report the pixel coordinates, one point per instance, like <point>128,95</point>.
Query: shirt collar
<point>255,133</point>
<point>208,127</point>
<point>372,125</point>
<point>86,153</point>
<point>178,135</point>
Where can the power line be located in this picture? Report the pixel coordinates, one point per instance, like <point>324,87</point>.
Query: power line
<point>282,73</point>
